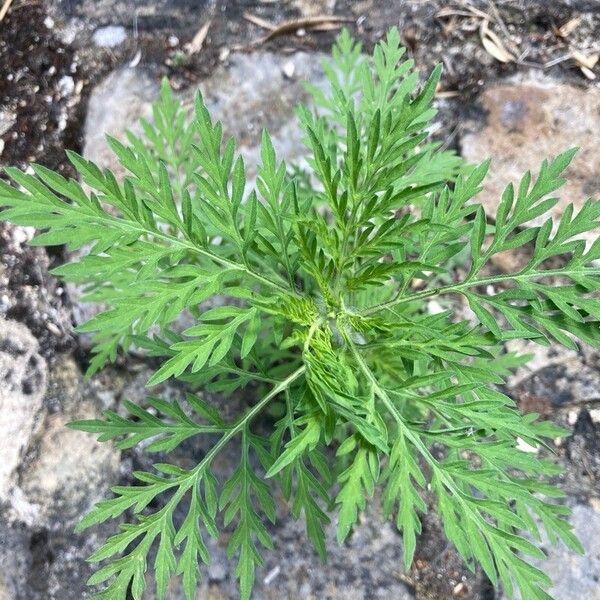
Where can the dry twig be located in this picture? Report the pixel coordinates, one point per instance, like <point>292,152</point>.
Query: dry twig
<point>500,22</point>
<point>255,20</point>
<point>4,9</point>
<point>571,25</point>
<point>493,44</point>
<point>329,21</point>
<point>586,62</point>
<point>491,41</point>
<point>198,40</point>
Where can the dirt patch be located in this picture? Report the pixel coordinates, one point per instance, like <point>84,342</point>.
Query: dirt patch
<point>49,62</point>
<point>37,86</point>
<point>30,295</point>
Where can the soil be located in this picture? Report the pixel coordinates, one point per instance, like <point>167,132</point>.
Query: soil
<point>33,63</point>
<point>49,63</point>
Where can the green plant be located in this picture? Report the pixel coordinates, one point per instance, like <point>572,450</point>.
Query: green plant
<point>325,315</point>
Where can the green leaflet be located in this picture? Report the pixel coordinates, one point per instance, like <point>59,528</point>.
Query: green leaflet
<point>298,445</point>
<point>312,299</point>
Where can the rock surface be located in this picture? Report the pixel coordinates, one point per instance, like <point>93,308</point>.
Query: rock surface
<point>576,576</point>
<point>109,36</point>
<point>531,119</point>
<point>66,472</point>
<point>22,389</point>
<point>254,93</point>
<point>61,473</point>
<point>365,568</point>
<point>251,93</point>
<point>27,549</point>
<point>148,13</point>
<point>115,105</point>
<point>41,564</point>
<point>583,453</point>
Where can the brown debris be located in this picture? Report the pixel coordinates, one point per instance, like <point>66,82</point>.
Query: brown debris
<point>318,23</point>
<point>198,40</point>
<point>570,26</point>
<point>493,44</point>
<point>5,8</point>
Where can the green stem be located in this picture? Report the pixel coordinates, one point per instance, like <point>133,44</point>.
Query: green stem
<point>415,440</point>
<point>152,528</point>
<point>458,287</point>
<point>245,420</point>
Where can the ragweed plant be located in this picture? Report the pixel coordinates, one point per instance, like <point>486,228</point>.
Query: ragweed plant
<point>323,280</point>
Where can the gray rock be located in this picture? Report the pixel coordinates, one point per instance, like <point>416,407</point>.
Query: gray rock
<point>149,14</point>
<point>67,471</point>
<point>253,93</point>
<point>576,576</point>
<point>46,564</point>
<point>59,478</point>
<point>115,105</point>
<point>540,357</point>
<point>366,567</point>
<point>312,8</point>
<point>563,382</point>
<point>7,120</point>
<point>71,472</point>
<point>583,452</point>
<point>22,388</point>
<point>249,94</point>
<point>14,562</point>
<point>109,36</point>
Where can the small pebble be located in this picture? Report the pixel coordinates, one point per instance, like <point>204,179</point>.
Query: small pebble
<point>49,22</point>
<point>53,329</point>
<point>271,575</point>
<point>109,36</point>
<point>217,572</point>
<point>22,235</point>
<point>66,85</point>
<point>61,122</point>
<point>289,68</point>
<point>135,61</point>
